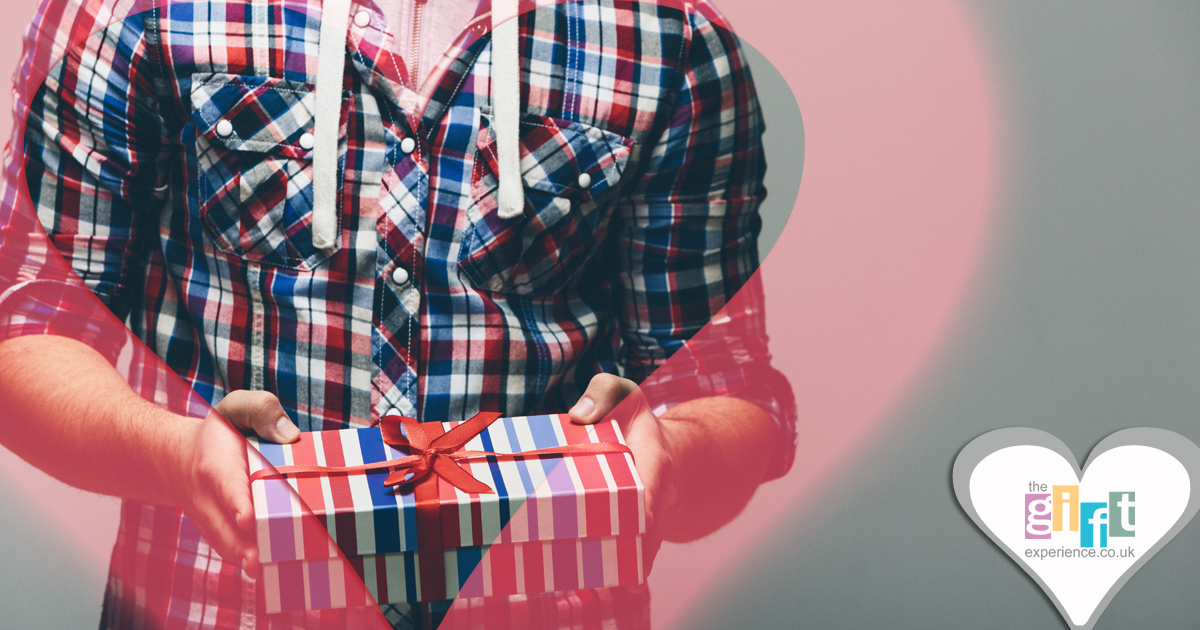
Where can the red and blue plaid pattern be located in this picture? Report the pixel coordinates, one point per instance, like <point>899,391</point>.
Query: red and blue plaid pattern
<point>200,232</point>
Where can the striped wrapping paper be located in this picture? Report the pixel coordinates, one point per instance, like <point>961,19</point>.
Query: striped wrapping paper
<point>507,569</point>
<point>592,505</point>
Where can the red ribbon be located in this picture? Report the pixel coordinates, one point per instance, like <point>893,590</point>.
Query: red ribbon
<point>436,451</point>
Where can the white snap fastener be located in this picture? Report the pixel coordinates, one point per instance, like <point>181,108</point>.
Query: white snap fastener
<point>399,275</point>
<point>393,412</point>
<point>585,181</point>
<point>362,19</point>
<point>224,128</point>
<point>307,141</point>
<point>408,145</point>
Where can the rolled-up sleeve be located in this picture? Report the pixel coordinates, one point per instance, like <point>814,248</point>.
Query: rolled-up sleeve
<point>688,233</point>
<point>79,184</point>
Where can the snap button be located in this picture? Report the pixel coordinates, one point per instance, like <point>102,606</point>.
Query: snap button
<point>393,412</point>
<point>408,145</point>
<point>307,141</point>
<point>224,128</point>
<point>362,19</point>
<point>585,181</point>
<point>400,275</point>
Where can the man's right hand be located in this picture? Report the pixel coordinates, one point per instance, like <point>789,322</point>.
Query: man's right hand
<point>66,410</point>
<point>213,482</point>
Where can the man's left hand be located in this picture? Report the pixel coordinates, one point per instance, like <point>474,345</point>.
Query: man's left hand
<point>644,435</point>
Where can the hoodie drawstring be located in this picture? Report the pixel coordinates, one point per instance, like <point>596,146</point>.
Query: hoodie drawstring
<point>506,96</point>
<point>506,99</point>
<point>331,62</point>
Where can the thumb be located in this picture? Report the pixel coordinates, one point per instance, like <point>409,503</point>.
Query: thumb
<point>260,412</point>
<point>604,393</point>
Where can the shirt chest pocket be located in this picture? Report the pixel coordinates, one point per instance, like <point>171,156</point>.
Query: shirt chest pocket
<point>254,168</point>
<point>570,173</point>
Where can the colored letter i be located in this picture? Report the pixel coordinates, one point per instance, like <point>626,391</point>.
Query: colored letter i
<point>1066,507</point>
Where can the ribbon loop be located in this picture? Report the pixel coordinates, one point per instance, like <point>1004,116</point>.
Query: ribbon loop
<point>438,454</point>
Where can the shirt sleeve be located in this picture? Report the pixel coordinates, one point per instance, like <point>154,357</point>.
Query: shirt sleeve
<point>79,181</point>
<point>688,242</point>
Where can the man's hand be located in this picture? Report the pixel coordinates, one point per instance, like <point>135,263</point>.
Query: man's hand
<point>700,462</point>
<point>81,423</point>
<point>214,485</point>
<point>643,433</point>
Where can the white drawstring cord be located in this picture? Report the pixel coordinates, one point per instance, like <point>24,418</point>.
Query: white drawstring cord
<point>506,98</point>
<point>331,62</point>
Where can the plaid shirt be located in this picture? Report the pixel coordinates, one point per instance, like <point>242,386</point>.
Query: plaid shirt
<point>167,161</point>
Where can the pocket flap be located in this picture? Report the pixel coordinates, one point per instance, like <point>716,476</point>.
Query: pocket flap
<point>554,153</point>
<point>265,114</point>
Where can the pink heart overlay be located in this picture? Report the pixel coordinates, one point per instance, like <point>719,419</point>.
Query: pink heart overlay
<point>902,158</point>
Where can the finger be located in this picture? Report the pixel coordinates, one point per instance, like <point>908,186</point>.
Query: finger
<point>251,564</point>
<point>260,412</point>
<point>651,543</point>
<point>654,469</point>
<point>604,392</point>
<point>221,533</point>
<point>226,475</point>
<point>652,458</point>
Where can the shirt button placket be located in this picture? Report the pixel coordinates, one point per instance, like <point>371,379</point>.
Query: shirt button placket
<point>403,325</point>
<point>409,296</point>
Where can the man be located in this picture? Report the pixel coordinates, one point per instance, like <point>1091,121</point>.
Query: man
<point>309,258</point>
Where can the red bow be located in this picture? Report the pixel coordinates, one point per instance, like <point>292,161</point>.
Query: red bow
<point>436,453</point>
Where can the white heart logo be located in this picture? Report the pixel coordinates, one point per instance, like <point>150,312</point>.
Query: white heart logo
<point>1080,534</point>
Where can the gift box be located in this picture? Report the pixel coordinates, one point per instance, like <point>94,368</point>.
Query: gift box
<point>537,504</point>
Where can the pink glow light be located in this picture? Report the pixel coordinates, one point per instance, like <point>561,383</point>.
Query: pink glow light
<point>902,158</point>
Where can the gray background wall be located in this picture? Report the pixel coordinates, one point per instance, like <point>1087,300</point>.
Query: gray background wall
<point>1086,320</point>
